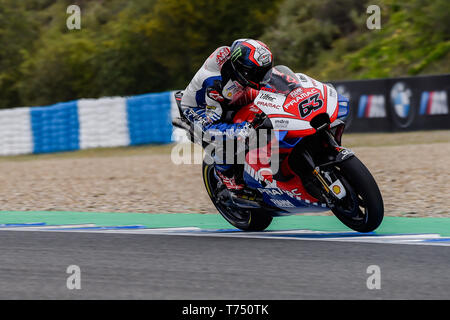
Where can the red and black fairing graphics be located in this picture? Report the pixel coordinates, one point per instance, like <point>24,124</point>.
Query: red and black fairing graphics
<point>258,166</point>
<point>246,113</point>
<point>305,103</point>
<point>290,194</point>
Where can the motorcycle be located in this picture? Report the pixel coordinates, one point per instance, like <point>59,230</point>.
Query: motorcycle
<point>315,172</point>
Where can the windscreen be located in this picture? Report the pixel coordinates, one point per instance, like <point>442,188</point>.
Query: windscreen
<point>281,79</point>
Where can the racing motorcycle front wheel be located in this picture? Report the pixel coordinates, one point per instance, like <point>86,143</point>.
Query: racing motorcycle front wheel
<point>247,219</point>
<point>362,208</point>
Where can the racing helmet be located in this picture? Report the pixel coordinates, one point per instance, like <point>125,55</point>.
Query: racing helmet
<point>250,61</point>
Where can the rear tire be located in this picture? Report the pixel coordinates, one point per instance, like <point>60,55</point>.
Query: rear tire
<point>244,219</point>
<point>364,209</point>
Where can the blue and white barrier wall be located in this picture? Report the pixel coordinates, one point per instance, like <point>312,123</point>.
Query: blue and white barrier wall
<point>88,123</point>
<point>379,105</point>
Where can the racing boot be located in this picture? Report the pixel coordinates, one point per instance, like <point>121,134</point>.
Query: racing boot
<point>232,180</point>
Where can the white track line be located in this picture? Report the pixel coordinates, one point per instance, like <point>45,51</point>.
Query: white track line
<point>46,227</point>
<point>302,234</point>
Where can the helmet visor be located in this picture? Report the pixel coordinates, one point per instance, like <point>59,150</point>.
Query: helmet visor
<point>253,76</point>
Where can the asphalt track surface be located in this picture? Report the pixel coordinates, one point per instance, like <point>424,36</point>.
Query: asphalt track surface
<point>33,265</point>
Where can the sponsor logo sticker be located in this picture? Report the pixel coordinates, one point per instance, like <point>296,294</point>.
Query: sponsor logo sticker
<point>295,93</point>
<point>222,56</point>
<point>267,104</point>
<point>300,97</point>
<point>401,97</point>
<point>262,56</point>
<point>338,189</point>
<point>282,203</point>
<point>281,123</point>
<point>266,96</point>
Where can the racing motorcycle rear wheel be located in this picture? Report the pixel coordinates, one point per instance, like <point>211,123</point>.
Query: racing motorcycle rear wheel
<point>244,219</point>
<point>362,208</point>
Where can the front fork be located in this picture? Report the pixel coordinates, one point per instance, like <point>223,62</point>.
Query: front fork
<point>332,188</point>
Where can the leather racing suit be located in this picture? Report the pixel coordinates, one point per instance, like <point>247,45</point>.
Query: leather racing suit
<point>214,95</point>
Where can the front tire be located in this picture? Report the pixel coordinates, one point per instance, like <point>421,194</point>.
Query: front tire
<point>362,209</point>
<point>244,219</point>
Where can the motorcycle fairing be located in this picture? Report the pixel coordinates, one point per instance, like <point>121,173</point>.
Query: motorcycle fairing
<point>290,196</point>
<point>290,101</point>
<point>294,110</point>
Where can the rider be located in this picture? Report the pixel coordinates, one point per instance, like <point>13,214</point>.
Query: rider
<point>229,79</point>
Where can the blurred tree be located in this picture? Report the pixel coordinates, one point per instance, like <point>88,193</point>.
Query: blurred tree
<point>17,32</point>
<point>135,46</point>
<point>126,47</point>
<point>126,61</point>
<point>60,70</point>
<point>305,28</point>
<point>184,33</point>
<point>103,58</point>
<point>329,39</point>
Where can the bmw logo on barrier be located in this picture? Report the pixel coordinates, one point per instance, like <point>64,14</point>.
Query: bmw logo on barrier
<point>403,113</point>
